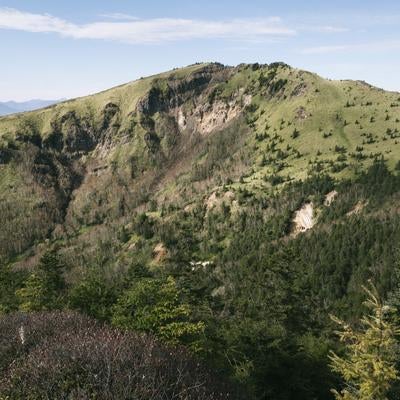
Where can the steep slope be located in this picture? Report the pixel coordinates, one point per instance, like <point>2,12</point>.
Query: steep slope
<point>171,137</point>
<point>166,137</point>
<point>252,202</point>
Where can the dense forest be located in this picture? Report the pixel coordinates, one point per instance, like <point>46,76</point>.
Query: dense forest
<point>260,311</point>
<point>197,274</point>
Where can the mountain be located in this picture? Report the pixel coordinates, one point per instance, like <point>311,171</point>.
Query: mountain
<point>11,107</point>
<point>261,196</point>
<point>6,109</point>
<point>175,137</point>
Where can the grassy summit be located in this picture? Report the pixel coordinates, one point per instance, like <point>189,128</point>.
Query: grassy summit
<point>173,137</point>
<point>304,116</point>
<point>230,209</point>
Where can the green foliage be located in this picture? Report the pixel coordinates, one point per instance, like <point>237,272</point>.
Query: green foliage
<point>295,134</point>
<point>144,225</point>
<point>253,294</point>
<point>369,367</point>
<point>28,130</point>
<point>10,281</point>
<point>44,288</point>
<point>154,305</point>
<point>217,152</point>
<point>93,295</point>
<point>258,308</point>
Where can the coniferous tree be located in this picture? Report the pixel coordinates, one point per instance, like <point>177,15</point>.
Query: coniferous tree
<point>155,306</point>
<point>10,281</point>
<point>93,296</point>
<point>369,367</point>
<point>45,287</point>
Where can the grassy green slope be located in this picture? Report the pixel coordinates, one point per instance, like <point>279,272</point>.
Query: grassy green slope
<point>287,125</point>
<point>126,96</point>
<point>326,113</point>
<point>334,119</point>
<point>198,174</point>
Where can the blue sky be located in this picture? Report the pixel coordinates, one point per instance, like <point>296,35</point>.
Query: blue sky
<point>54,49</point>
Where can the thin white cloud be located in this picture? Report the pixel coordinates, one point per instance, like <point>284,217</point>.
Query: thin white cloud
<point>146,30</point>
<point>373,47</point>
<point>119,16</point>
<point>323,49</point>
<point>330,29</point>
<point>17,20</point>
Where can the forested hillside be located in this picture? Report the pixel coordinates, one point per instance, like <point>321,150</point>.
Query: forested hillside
<point>229,210</point>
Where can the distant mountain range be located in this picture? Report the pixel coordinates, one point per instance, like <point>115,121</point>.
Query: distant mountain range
<point>11,107</point>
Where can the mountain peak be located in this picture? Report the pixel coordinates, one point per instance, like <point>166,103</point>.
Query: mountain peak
<point>12,107</point>
<point>172,136</point>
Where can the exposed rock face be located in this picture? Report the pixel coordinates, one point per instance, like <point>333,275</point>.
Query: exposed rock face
<point>304,219</point>
<point>166,95</point>
<point>301,113</point>
<point>152,141</point>
<point>160,252</point>
<point>166,139</point>
<point>215,200</point>
<point>109,112</point>
<point>207,118</point>
<point>181,119</point>
<point>70,134</point>
<point>357,209</point>
<point>299,90</point>
<point>5,156</point>
<point>77,137</point>
<point>330,197</point>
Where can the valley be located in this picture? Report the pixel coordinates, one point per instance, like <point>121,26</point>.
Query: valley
<point>229,210</point>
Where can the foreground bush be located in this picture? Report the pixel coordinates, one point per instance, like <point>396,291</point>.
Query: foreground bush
<point>64,355</point>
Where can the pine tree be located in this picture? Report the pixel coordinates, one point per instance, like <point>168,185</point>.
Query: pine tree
<point>155,306</point>
<point>93,295</point>
<point>44,288</point>
<point>369,367</point>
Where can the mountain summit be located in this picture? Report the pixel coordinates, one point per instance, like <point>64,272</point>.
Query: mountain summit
<point>171,138</point>
<point>228,209</point>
